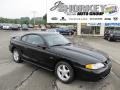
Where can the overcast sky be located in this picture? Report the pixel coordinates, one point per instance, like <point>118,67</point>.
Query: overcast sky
<point>22,8</point>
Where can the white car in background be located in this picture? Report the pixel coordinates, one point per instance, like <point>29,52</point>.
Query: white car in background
<point>6,27</point>
<point>43,28</point>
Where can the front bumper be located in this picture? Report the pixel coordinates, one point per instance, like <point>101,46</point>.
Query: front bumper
<point>10,48</point>
<point>93,74</point>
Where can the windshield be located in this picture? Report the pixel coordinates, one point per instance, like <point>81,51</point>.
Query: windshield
<point>117,31</point>
<point>55,39</point>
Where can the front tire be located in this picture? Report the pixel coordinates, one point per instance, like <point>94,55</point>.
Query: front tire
<point>16,56</point>
<point>64,72</point>
<point>105,37</point>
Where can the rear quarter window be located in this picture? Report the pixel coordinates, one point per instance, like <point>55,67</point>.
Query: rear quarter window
<point>35,39</point>
<point>24,38</point>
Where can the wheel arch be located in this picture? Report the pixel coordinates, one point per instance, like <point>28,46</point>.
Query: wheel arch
<point>63,60</point>
<point>12,49</point>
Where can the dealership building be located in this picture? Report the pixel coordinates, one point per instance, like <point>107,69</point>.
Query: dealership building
<point>95,29</point>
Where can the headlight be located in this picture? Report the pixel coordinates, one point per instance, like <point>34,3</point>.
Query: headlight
<point>94,66</point>
<point>111,34</point>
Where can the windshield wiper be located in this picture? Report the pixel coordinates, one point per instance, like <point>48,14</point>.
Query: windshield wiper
<point>68,44</point>
<point>61,44</point>
<point>57,45</point>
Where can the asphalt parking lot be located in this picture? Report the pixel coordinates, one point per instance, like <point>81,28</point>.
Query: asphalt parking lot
<point>25,76</point>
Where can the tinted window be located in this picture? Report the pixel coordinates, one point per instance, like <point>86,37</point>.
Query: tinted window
<point>55,39</point>
<point>35,39</point>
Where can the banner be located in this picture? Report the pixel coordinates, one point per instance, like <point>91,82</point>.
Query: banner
<point>83,11</point>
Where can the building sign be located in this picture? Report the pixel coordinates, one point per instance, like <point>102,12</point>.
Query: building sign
<point>104,24</point>
<point>94,24</point>
<point>82,11</point>
<point>112,24</point>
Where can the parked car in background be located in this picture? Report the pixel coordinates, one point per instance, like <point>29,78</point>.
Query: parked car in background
<point>43,27</point>
<point>6,26</point>
<point>63,31</point>
<point>52,51</point>
<point>1,26</point>
<point>15,27</point>
<point>30,26</point>
<point>19,25</point>
<point>52,30</point>
<point>24,27</point>
<point>112,35</point>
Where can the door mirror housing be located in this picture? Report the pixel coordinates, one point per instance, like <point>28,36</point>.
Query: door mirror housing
<point>42,46</point>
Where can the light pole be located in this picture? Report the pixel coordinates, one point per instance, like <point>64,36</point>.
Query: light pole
<point>34,13</point>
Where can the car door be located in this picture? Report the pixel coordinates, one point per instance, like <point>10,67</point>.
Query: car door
<point>34,48</point>
<point>24,46</point>
<point>37,53</point>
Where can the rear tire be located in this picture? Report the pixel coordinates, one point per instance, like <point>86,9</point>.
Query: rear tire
<point>17,56</point>
<point>64,72</point>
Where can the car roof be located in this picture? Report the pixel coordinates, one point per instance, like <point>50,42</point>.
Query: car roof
<point>40,32</point>
<point>33,32</point>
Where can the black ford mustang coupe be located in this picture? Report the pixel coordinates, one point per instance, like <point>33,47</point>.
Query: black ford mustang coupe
<point>54,52</point>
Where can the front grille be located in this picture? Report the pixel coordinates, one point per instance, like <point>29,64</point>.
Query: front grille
<point>106,62</point>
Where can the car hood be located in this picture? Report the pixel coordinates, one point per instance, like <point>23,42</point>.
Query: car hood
<point>81,54</point>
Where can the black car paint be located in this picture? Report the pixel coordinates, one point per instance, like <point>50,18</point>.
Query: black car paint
<point>47,57</point>
<point>81,55</point>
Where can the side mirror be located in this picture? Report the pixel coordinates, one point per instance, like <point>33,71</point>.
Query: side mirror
<point>42,46</point>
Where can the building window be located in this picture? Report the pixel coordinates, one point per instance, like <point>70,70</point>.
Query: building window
<point>95,30</point>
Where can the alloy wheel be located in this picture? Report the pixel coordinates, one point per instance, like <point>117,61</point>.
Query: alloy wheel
<point>63,72</point>
<point>16,55</point>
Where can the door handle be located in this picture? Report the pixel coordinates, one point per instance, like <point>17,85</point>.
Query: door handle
<point>25,47</point>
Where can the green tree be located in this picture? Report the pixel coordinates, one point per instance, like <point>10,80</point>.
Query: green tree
<point>45,17</point>
<point>25,20</point>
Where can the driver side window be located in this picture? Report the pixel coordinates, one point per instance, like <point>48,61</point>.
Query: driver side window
<point>34,39</point>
